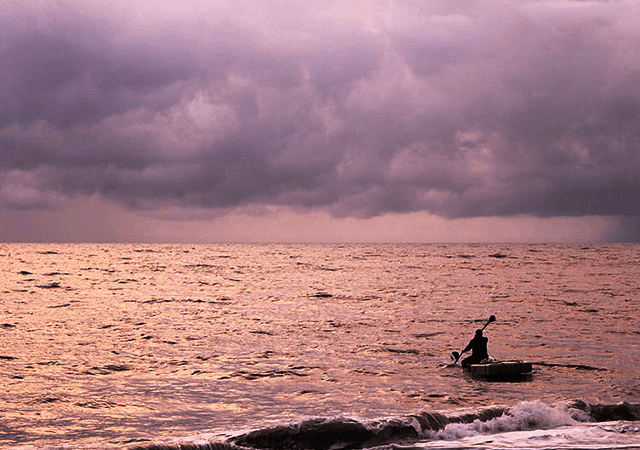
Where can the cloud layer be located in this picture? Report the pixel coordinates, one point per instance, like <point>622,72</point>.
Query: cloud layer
<point>456,108</point>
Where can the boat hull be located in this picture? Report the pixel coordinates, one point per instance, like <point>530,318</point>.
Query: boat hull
<point>500,369</point>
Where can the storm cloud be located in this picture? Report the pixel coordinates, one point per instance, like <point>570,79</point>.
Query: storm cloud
<point>460,109</point>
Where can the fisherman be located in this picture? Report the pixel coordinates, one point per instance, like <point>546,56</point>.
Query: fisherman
<point>478,347</point>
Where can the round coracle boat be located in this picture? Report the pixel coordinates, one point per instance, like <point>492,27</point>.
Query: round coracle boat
<point>500,369</point>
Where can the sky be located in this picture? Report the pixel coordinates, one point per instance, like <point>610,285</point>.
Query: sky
<point>319,121</point>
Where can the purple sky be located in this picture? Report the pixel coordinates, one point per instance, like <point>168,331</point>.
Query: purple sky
<point>354,120</point>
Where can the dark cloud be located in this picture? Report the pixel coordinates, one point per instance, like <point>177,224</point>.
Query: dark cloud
<point>462,110</point>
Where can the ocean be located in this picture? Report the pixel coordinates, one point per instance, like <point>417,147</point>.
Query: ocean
<point>145,347</point>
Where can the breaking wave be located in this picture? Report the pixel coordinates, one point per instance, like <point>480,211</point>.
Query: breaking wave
<point>338,433</point>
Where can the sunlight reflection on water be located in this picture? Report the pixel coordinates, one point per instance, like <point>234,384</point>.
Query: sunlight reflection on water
<point>117,341</point>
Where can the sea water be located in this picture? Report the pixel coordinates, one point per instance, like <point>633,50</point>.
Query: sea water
<point>316,346</point>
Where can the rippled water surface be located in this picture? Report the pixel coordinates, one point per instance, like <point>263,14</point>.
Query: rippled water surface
<point>121,344</point>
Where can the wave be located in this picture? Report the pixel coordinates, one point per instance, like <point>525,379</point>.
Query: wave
<point>338,433</point>
<point>570,366</point>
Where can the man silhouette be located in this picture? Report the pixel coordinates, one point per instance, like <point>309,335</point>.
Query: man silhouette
<point>478,347</point>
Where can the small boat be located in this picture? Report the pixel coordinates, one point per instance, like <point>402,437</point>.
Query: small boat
<point>490,368</point>
<point>500,369</point>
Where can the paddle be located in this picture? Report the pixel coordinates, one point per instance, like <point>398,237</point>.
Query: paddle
<point>456,356</point>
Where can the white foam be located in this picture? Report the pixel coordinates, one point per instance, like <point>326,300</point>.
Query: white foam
<point>525,416</point>
<point>584,436</point>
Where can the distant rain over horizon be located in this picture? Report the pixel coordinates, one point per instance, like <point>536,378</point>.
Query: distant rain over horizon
<point>383,120</point>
